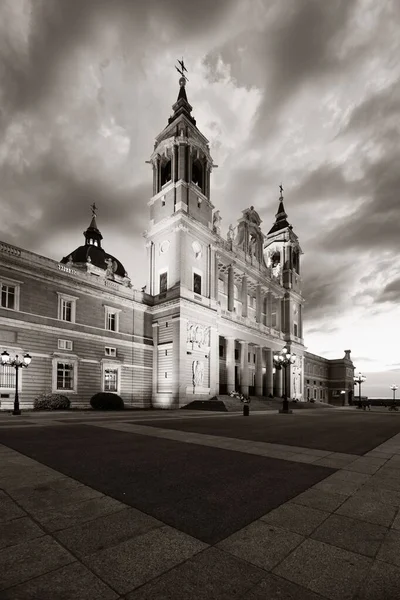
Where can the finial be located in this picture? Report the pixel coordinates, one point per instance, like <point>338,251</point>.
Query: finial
<point>94,209</point>
<point>281,190</point>
<point>181,70</point>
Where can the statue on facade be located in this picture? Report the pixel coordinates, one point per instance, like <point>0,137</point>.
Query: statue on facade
<point>231,233</point>
<point>198,373</point>
<point>217,222</point>
<point>112,266</point>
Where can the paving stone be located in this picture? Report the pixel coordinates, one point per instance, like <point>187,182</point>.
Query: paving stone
<point>383,482</point>
<point>273,587</point>
<point>136,561</point>
<point>351,534</point>
<point>51,494</point>
<point>17,531</point>
<point>106,531</point>
<point>396,522</point>
<point>366,465</point>
<point>261,544</point>
<point>73,582</point>
<point>382,583</point>
<point>371,511</point>
<point>29,559</point>
<point>209,574</point>
<point>390,549</point>
<point>26,479</point>
<point>324,569</point>
<point>394,462</point>
<point>9,509</point>
<point>57,518</point>
<point>345,488</point>
<point>334,462</point>
<point>319,499</point>
<point>385,496</point>
<point>295,517</point>
<point>351,476</point>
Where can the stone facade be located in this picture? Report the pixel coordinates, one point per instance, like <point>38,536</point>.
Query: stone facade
<point>212,314</point>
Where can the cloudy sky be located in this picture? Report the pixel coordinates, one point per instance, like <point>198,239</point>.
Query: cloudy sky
<point>304,92</point>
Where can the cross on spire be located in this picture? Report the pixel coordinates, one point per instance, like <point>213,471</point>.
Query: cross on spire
<point>181,69</point>
<point>281,190</point>
<point>94,209</point>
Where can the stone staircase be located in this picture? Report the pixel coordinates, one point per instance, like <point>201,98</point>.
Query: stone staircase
<point>226,403</point>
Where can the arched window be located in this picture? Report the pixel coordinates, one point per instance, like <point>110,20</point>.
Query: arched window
<point>165,172</point>
<point>197,173</point>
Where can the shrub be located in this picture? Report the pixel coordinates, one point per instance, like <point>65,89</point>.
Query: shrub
<point>106,401</point>
<point>51,402</point>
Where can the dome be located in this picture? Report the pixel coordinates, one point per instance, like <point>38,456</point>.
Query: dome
<point>97,257</point>
<point>92,252</point>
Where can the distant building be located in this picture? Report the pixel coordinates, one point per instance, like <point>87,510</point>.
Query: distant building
<point>214,312</point>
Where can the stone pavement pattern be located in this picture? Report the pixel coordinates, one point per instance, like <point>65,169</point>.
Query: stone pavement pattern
<point>340,539</point>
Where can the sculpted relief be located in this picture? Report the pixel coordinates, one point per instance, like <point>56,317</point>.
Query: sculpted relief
<point>198,335</point>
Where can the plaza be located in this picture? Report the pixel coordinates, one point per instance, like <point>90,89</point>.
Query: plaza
<point>186,505</point>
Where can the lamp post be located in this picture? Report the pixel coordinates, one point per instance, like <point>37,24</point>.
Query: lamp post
<point>17,364</point>
<point>394,387</point>
<point>359,378</point>
<point>283,360</point>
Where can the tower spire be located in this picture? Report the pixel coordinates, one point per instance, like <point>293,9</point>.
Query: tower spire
<point>182,105</point>
<point>280,216</point>
<point>92,233</point>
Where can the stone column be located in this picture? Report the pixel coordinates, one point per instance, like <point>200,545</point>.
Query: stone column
<point>278,313</point>
<point>259,371</point>
<point>244,367</point>
<point>268,300</point>
<point>231,289</point>
<point>259,300</point>
<point>269,372</point>
<point>244,296</point>
<point>230,363</point>
<point>213,358</point>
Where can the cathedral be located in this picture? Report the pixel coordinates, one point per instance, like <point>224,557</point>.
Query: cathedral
<point>212,315</point>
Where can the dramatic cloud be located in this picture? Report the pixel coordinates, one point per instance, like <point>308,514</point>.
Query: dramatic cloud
<point>302,92</point>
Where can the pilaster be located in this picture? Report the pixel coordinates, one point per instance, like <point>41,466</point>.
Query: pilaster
<point>244,367</point>
<point>230,363</point>
<point>231,289</point>
<point>259,372</point>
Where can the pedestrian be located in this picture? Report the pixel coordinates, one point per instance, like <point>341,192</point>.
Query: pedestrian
<point>369,404</point>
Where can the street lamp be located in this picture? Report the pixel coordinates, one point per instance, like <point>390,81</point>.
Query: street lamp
<point>359,378</point>
<point>17,364</point>
<point>283,360</point>
<point>394,387</point>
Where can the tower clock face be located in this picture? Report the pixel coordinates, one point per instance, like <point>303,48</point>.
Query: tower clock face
<point>196,247</point>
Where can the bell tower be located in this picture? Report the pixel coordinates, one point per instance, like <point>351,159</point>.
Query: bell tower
<point>282,253</point>
<point>182,260</point>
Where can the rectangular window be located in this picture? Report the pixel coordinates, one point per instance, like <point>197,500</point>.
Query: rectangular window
<point>64,344</point>
<point>66,310</point>
<point>110,380</point>
<point>315,394</point>
<point>65,376</point>
<point>236,354</point>
<point>163,282</point>
<point>109,351</point>
<point>8,295</point>
<point>221,351</point>
<point>295,329</point>
<point>111,321</point>
<point>197,283</point>
<point>7,377</point>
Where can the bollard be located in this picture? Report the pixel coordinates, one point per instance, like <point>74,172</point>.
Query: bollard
<point>246,410</point>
